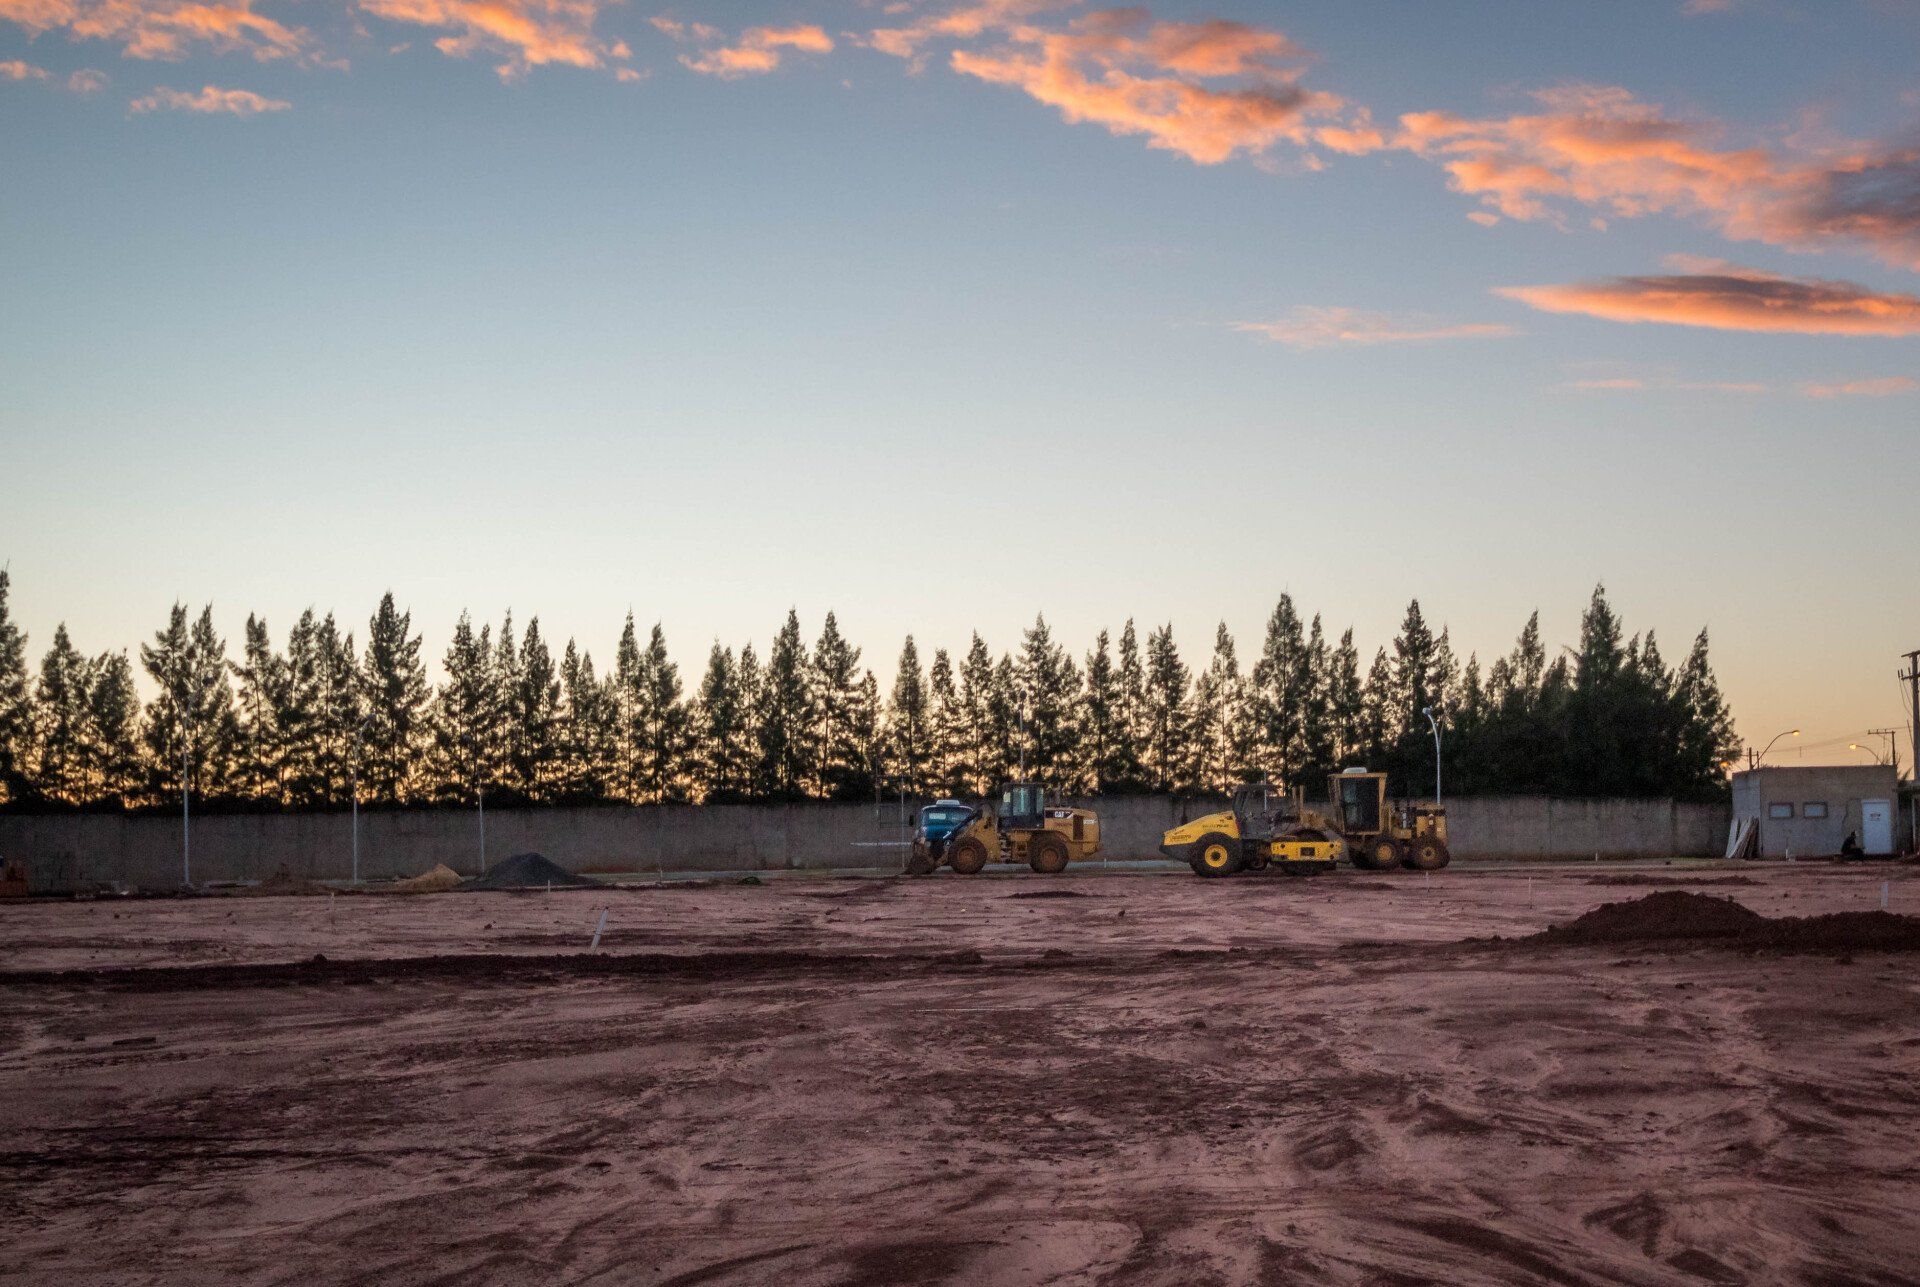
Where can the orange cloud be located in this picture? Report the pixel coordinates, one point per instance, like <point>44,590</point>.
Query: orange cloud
<point>164,29</point>
<point>757,52</point>
<point>1319,328</point>
<point>1600,147</point>
<point>1134,75</point>
<point>1885,387</point>
<point>87,81</point>
<point>1734,299</point>
<point>527,33</point>
<point>14,69</point>
<point>211,100</point>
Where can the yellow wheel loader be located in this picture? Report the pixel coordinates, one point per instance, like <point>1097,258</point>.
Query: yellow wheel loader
<point>1268,829</point>
<point>1264,829</point>
<point>1023,828</point>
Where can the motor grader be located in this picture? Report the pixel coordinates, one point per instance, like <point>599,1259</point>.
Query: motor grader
<point>1267,828</point>
<point>1024,827</point>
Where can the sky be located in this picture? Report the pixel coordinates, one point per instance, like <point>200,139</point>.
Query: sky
<point>940,315</point>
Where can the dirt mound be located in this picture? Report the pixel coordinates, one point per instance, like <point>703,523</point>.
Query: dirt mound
<point>1676,915</point>
<point>282,884</point>
<point>528,871</point>
<point>1638,881</point>
<point>437,881</point>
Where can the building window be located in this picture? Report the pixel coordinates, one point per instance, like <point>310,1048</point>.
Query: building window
<point>1814,809</point>
<point>1779,811</point>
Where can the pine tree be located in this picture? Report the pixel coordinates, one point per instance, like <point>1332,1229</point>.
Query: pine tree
<point>1135,727</point>
<point>1379,708</point>
<point>1048,691</point>
<point>1002,746</point>
<point>1102,743</point>
<point>841,763</point>
<point>908,747</point>
<point>1346,705</point>
<point>750,679</point>
<point>113,706</point>
<point>723,752</point>
<point>300,716</point>
<point>630,685</point>
<point>397,695</point>
<point>533,715</point>
<point>1708,743</point>
<point>341,708</point>
<point>1217,743</point>
<point>945,728</point>
<point>192,714</point>
<point>1281,683</point>
<point>1319,734</point>
<point>264,676</point>
<point>16,709</point>
<point>976,759</point>
<point>661,722</point>
<point>1414,679</point>
<point>585,736</point>
<point>867,736</point>
<point>785,714</point>
<point>1167,715</point>
<point>64,743</point>
<point>464,715</point>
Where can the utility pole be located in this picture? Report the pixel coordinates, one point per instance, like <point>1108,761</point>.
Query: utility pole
<point>1912,678</point>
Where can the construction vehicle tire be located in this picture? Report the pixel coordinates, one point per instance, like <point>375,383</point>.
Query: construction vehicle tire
<point>1427,855</point>
<point>969,857</point>
<point>1216,855</point>
<point>1379,854</point>
<point>1047,855</point>
<point>919,864</point>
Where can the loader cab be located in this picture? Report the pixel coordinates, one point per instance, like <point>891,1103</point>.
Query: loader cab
<point>938,821</point>
<point>1023,807</point>
<point>1359,798</point>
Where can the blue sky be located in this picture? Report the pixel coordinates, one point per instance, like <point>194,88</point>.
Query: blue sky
<point>294,315</point>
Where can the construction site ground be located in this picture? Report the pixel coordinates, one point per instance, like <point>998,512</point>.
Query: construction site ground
<point>1355,1078</point>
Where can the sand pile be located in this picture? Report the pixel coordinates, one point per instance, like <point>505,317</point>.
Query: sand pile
<point>1676,915</point>
<point>528,871</point>
<point>437,881</point>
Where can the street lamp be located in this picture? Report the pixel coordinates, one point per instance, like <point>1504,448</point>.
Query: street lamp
<point>1435,726</point>
<point>353,789</point>
<point>1855,746</point>
<point>1761,758</point>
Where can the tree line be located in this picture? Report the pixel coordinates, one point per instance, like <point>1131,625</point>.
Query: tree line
<point>320,718</point>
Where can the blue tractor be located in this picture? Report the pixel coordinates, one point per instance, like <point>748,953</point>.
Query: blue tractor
<point>933,827</point>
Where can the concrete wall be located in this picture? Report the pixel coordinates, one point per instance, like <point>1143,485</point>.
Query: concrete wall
<point>66,850</point>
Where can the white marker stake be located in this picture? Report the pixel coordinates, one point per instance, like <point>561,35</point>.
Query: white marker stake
<point>595,945</point>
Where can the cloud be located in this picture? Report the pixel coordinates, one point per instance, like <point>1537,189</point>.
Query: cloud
<point>1693,8</point>
<point>1617,384</point>
<point>1210,90</point>
<point>758,51</point>
<point>164,29</point>
<point>211,100</point>
<point>14,69</point>
<point>1884,387</point>
<point>1600,148</point>
<point>1733,299</point>
<point>526,33</point>
<point>1636,384</point>
<point>1319,328</point>
<point>87,81</point>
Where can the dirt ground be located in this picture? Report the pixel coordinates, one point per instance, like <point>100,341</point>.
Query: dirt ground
<point>1144,1079</point>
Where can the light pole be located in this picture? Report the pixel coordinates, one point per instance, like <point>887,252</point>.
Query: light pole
<point>1435,726</point>
<point>1761,758</point>
<point>1855,746</point>
<point>353,790</point>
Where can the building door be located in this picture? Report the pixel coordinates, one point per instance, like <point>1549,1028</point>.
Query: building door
<point>1876,826</point>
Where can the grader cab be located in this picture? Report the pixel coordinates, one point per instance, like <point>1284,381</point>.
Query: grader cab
<point>1022,827</point>
<point>1383,835</point>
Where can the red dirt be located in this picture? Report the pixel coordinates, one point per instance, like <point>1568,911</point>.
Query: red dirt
<point>1176,1082</point>
<point>1673,915</point>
